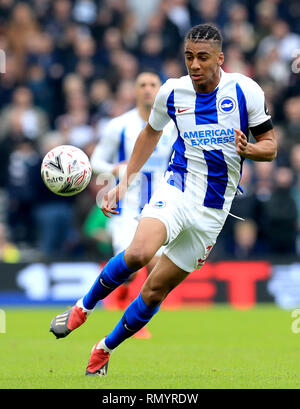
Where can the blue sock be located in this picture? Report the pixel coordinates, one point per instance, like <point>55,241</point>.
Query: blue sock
<point>135,317</point>
<point>114,273</point>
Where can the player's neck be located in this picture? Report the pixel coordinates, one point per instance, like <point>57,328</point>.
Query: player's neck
<point>209,86</point>
<point>144,112</point>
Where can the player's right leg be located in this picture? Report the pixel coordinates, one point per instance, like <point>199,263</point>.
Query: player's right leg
<point>151,234</point>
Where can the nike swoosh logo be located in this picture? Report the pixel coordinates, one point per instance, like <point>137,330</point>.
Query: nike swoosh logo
<point>128,329</point>
<point>183,110</point>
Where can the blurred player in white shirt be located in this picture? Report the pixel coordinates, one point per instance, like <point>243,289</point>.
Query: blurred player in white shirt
<point>111,156</point>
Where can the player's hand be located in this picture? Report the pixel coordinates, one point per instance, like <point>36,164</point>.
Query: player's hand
<point>241,142</point>
<point>109,203</point>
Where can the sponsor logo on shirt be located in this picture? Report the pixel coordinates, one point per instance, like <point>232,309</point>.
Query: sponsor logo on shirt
<point>210,136</point>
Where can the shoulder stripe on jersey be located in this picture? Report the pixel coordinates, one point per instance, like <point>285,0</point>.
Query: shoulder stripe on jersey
<point>217,179</point>
<point>242,109</point>
<point>178,163</point>
<point>206,108</point>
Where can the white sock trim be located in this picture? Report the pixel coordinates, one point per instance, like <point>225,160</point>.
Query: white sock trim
<point>101,345</point>
<point>80,305</point>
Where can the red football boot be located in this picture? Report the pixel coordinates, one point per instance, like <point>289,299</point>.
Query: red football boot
<point>98,362</point>
<point>66,322</point>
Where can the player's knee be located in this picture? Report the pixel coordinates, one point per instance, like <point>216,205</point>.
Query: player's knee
<point>137,257</point>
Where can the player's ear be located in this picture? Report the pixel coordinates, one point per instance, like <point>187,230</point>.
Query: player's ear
<point>221,58</point>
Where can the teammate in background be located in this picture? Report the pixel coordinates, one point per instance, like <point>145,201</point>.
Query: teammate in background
<point>213,112</point>
<point>111,156</point>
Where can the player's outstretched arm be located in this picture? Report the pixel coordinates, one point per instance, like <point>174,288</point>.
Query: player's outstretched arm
<point>143,148</point>
<point>264,150</point>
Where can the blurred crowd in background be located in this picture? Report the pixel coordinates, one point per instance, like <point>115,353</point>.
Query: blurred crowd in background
<point>70,67</point>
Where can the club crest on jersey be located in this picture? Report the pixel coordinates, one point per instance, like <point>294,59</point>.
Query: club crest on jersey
<point>227,105</point>
<point>159,204</point>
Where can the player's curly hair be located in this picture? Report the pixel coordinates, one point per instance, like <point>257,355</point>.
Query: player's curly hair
<point>204,32</point>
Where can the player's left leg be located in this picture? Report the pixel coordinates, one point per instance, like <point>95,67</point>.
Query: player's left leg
<point>123,228</point>
<point>144,332</point>
<point>164,277</point>
<point>115,272</point>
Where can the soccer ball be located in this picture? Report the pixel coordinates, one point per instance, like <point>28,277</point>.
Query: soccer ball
<point>66,170</point>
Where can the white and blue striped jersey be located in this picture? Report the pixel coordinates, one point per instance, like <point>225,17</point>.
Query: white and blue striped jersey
<point>116,145</point>
<point>204,161</point>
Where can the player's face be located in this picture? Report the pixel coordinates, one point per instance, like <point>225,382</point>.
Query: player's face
<point>147,86</point>
<point>203,60</point>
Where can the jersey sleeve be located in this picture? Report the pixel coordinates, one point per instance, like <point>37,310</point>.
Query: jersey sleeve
<point>103,157</point>
<point>159,114</point>
<point>256,104</point>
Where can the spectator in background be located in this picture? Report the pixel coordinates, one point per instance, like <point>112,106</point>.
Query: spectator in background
<point>129,32</point>
<point>84,58</point>
<point>246,244</point>
<point>281,215</point>
<point>295,166</point>
<point>248,207</point>
<point>9,81</point>
<point>235,61</point>
<point>172,69</point>
<point>125,97</point>
<point>168,32</point>
<point>73,85</point>
<point>110,46</point>
<point>151,52</point>
<point>77,120</point>
<point>125,68</point>
<point>280,39</point>
<point>21,118</point>
<point>42,92</point>
<point>292,124</point>
<point>238,30</point>
<point>21,28</point>
<point>266,14</point>
<point>209,11</point>
<point>101,99</point>
<point>178,13</point>
<point>23,167</point>
<point>143,11</point>
<point>283,154</point>
<point>40,51</point>
<point>9,253</point>
<point>264,180</point>
<point>58,21</point>
<point>75,123</point>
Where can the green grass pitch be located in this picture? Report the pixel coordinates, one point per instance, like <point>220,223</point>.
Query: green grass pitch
<point>217,347</point>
